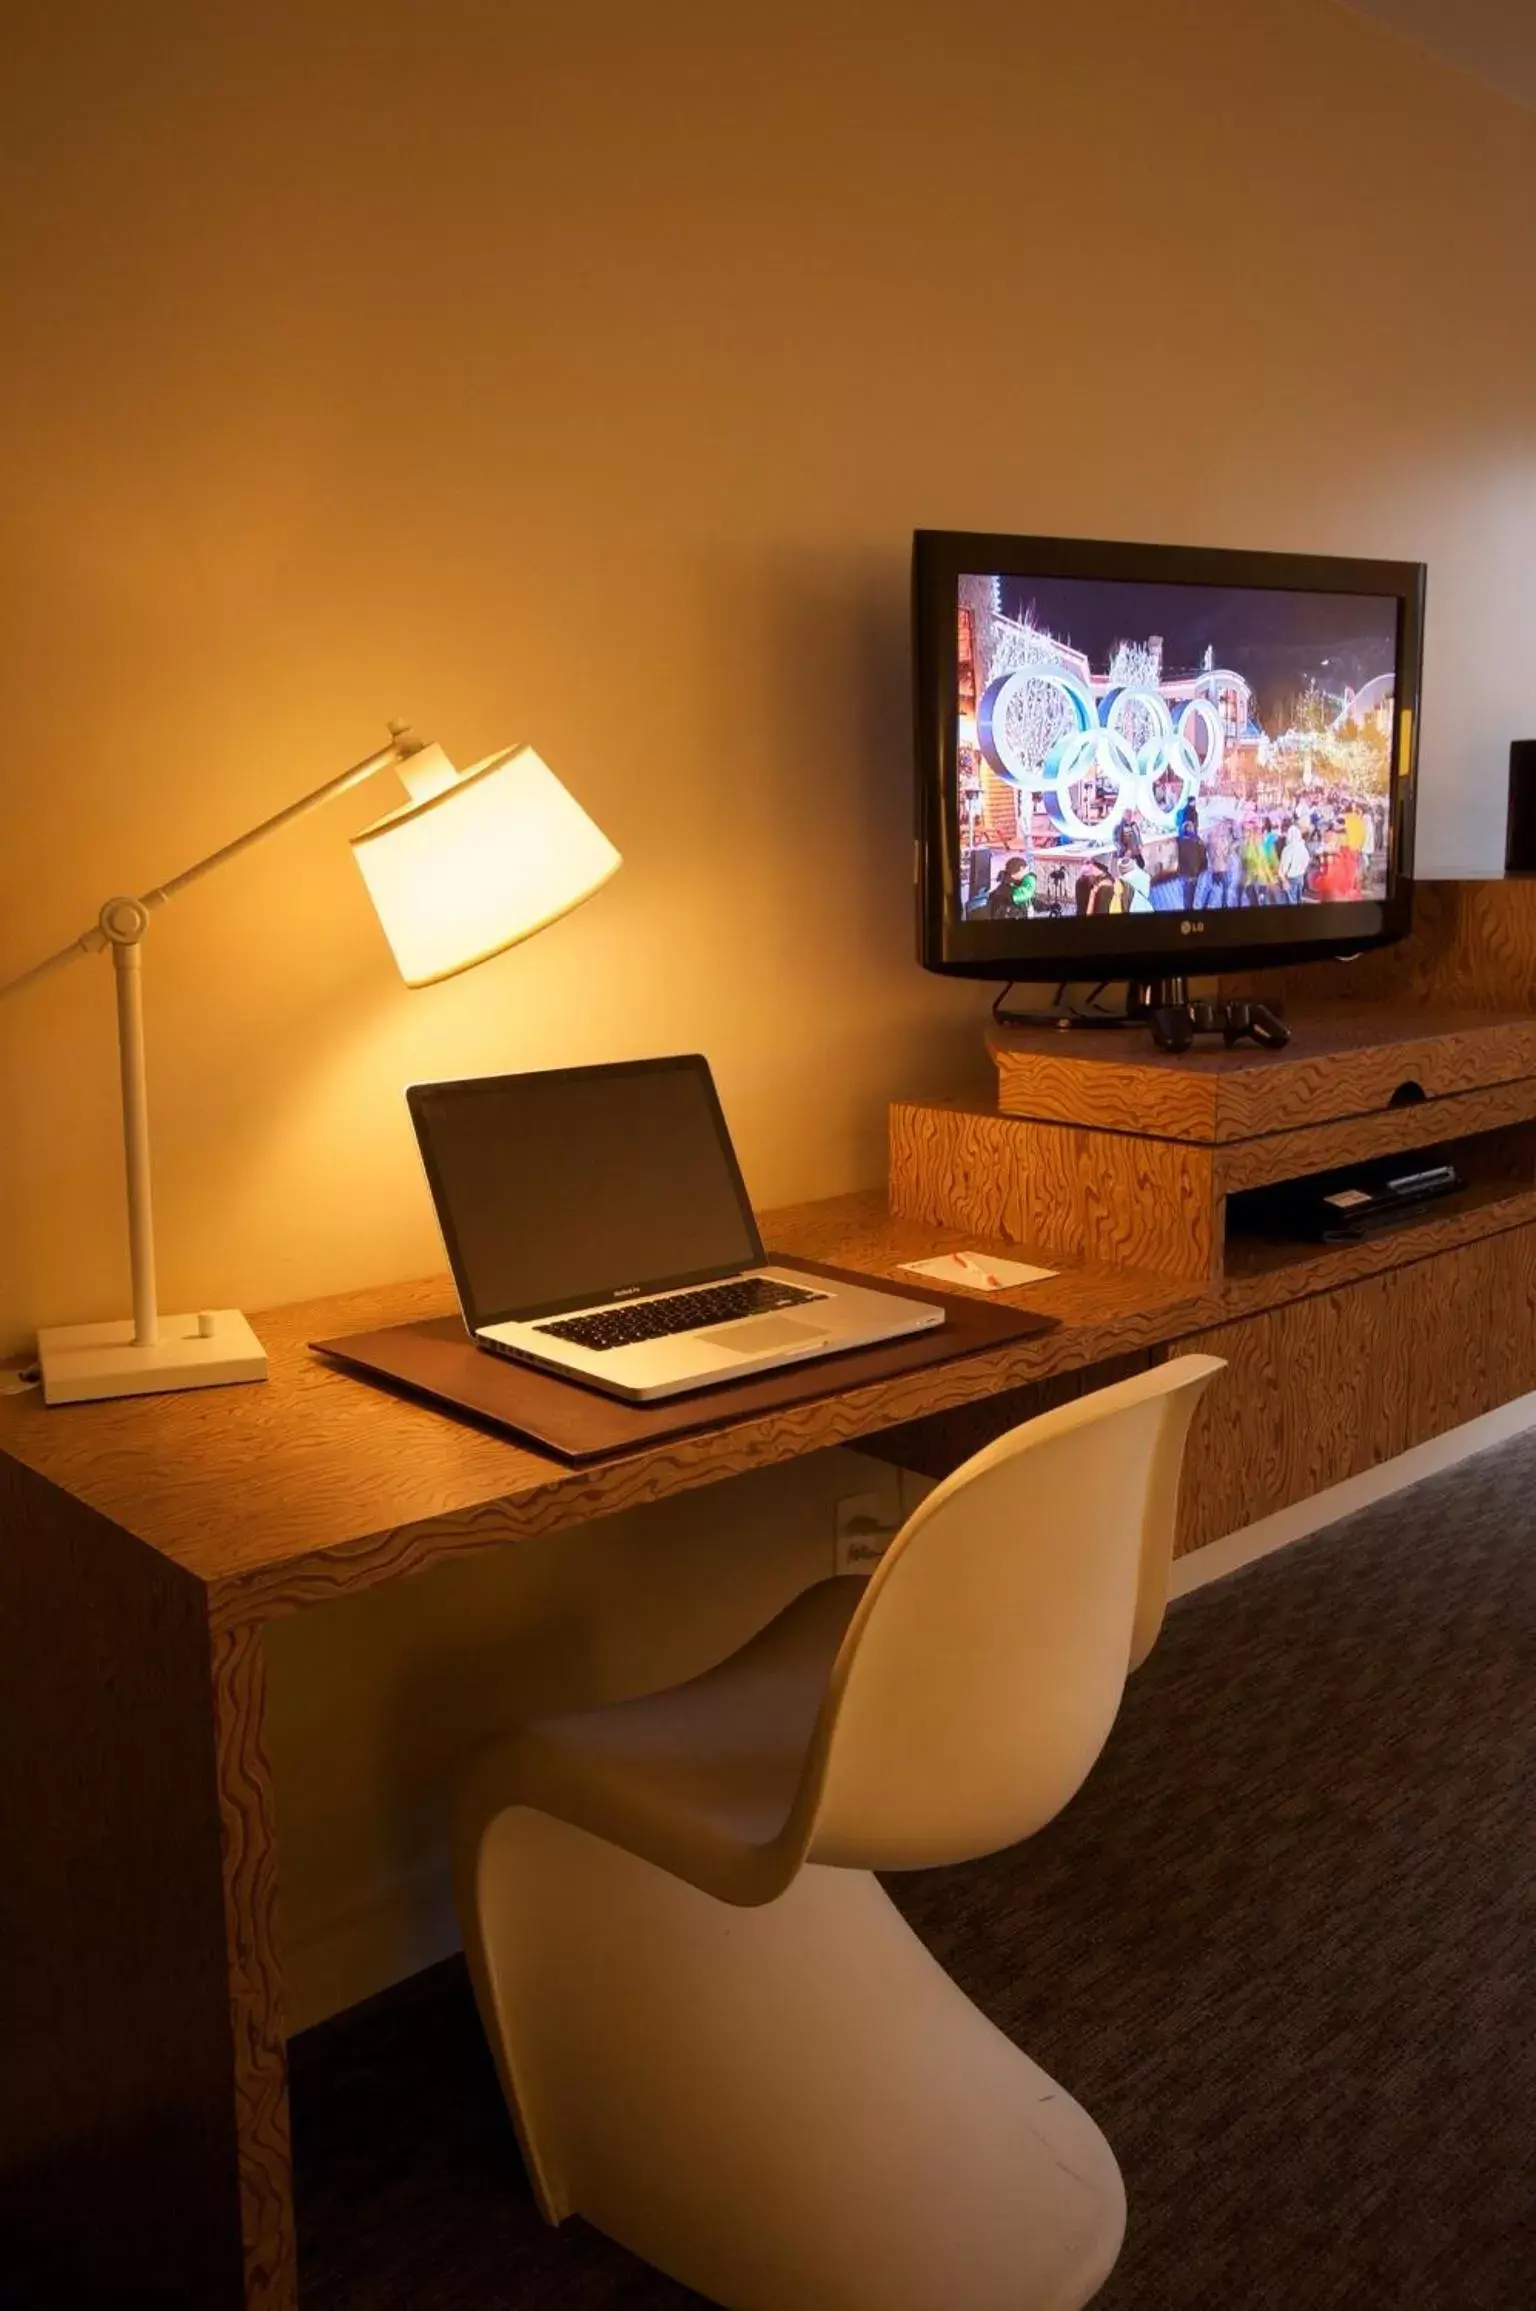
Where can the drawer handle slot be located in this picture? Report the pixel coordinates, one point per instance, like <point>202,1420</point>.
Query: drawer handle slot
<point>1408,1094</point>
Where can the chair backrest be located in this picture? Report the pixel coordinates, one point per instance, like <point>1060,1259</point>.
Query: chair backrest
<point>982,1672</point>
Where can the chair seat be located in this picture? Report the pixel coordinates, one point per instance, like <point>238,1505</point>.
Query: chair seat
<point>777,2094</point>
<point>700,1779</point>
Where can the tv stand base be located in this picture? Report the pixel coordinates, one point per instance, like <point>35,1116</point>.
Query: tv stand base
<point>1172,1016</point>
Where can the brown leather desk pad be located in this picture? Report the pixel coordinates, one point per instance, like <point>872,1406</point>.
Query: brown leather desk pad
<point>438,1360</point>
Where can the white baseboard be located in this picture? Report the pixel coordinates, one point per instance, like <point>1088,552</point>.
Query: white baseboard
<point>1357,1492</point>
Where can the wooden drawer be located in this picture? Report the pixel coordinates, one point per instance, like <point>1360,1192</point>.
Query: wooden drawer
<point>1325,1388</point>
<point>1341,1062</point>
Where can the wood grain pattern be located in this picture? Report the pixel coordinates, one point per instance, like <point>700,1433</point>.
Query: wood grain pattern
<point>1472,944</point>
<point>1483,1304</point>
<point>1097,1197</point>
<point>117,2139</point>
<point>570,1497</point>
<point>1326,1387</point>
<point>1112,1195</point>
<point>1341,1061</point>
<point>1290,1155</point>
<point>249,1868</point>
<point>282,1496</point>
<point>1112,1082</point>
<point>1313,1393</point>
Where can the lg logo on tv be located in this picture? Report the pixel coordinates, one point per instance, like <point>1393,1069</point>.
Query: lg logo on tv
<point>1188,929</point>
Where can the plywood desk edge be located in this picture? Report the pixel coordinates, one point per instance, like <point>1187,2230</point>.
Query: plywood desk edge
<point>577,1495</point>
<point>496,1491</point>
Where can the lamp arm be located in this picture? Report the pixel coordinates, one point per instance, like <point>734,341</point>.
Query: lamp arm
<point>89,942</point>
<point>121,926</point>
<point>401,744</point>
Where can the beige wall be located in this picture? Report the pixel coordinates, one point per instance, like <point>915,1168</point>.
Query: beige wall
<point>377,1699</point>
<point>579,374</point>
<point>1494,38</point>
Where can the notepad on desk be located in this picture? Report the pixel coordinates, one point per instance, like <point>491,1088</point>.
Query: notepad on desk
<point>978,1271</point>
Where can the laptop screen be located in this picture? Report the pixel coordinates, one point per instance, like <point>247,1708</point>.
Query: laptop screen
<point>579,1185</point>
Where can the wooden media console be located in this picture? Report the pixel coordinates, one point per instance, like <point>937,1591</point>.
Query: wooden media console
<point>1106,1157</point>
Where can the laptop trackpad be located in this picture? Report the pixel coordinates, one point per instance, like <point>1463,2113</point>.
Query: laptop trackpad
<point>759,1332</point>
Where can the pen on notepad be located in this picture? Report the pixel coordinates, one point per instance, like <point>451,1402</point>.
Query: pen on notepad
<point>964,1260</point>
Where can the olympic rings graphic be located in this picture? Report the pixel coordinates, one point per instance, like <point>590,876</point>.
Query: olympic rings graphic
<point>1099,754</point>
<point>1104,742</point>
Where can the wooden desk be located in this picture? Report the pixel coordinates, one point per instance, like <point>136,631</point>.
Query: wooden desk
<point>144,2126</point>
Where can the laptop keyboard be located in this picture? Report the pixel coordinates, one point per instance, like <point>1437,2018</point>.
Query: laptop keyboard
<point>622,1327</point>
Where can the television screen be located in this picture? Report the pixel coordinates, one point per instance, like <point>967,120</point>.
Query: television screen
<point>1128,758</point>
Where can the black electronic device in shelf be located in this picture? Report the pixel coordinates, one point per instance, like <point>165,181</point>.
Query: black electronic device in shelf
<point>1344,1207</point>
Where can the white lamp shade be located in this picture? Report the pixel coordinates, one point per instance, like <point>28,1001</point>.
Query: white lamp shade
<point>474,863</point>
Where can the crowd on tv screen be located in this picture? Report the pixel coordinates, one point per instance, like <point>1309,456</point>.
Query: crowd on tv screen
<point>1329,845</point>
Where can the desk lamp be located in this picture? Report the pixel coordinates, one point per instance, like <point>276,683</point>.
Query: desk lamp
<point>473,862</point>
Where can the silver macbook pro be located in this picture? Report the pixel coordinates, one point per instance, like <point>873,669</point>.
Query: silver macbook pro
<point>597,1224</point>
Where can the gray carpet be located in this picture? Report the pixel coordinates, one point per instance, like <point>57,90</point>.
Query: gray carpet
<point>1282,1947</point>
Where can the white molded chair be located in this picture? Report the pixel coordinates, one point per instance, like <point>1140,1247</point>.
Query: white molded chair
<point>720,2042</point>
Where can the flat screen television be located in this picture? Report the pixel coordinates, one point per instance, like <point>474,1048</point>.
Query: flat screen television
<point>1141,762</point>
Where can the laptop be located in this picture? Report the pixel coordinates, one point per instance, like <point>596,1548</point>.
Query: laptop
<point>598,1226</point>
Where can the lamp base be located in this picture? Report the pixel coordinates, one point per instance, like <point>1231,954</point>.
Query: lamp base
<point>82,1362</point>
